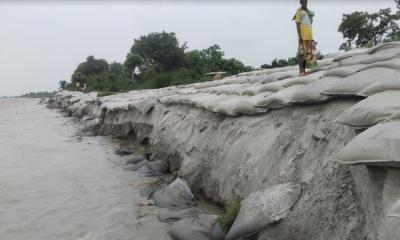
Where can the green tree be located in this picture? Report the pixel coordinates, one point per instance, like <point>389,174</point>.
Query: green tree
<point>157,49</point>
<point>369,29</point>
<point>62,84</point>
<point>89,68</point>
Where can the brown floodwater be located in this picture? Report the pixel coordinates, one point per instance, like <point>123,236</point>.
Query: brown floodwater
<point>55,184</point>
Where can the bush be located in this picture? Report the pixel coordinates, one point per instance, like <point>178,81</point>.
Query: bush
<point>232,210</point>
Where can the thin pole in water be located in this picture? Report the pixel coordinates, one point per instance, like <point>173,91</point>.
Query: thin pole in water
<point>15,105</point>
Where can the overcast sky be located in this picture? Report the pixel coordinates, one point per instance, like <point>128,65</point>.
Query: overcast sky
<point>42,42</point>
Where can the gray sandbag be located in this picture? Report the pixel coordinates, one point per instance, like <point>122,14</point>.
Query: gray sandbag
<point>383,55</point>
<point>371,110</point>
<point>174,215</point>
<point>279,99</point>
<point>198,228</point>
<point>135,159</point>
<point>390,226</point>
<point>275,86</point>
<point>386,84</point>
<point>356,59</point>
<point>237,105</point>
<point>144,105</point>
<point>210,101</point>
<point>344,71</point>
<point>123,152</point>
<point>262,208</point>
<point>383,46</point>
<point>378,146</point>
<point>311,93</point>
<point>137,166</point>
<point>176,195</point>
<point>392,63</point>
<point>350,53</point>
<point>353,84</point>
<point>153,168</point>
<point>148,191</point>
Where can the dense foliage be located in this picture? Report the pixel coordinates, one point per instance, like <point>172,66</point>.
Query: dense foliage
<point>363,29</point>
<point>155,60</point>
<point>38,94</point>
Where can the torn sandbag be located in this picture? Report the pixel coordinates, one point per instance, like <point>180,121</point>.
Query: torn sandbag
<point>198,228</point>
<point>279,99</point>
<point>176,195</point>
<point>174,215</point>
<point>371,110</point>
<point>262,208</point>
<point>353,84</point>
<point>389,229</point>
<point>378,146</point>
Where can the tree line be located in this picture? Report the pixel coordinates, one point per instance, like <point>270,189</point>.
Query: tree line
<point>158,59</point>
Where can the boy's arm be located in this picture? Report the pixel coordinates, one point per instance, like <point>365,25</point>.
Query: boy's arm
<point>299,33</point>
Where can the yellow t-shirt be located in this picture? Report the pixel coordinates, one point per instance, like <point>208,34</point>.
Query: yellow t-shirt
<point>303,17</point>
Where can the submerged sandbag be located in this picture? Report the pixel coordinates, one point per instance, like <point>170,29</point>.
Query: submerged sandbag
<point>176,195</point>
<point>372,110</point>
<point>174,215</point>
<point>135,159</point>
<point>262,208</point>
<point>378,145</point>
<point>198,228</point>
<point>217,233</point>
<point>353,84</point>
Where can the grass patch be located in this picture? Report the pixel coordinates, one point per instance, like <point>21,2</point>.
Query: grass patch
<point>232,210</point>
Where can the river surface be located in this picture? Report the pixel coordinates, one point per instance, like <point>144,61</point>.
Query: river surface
<point>55,184</point>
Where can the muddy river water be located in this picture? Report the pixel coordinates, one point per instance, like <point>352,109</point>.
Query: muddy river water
<point>55,184</point>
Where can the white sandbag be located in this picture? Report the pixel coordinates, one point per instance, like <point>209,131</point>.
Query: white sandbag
<point>344,71</point>
<point>378,145</point>
<point>392,63</point>
<point>353,84</point>
<point>303,79</point>
<point>229,89</point>
<point>262,78</point>
<point>390,226</point>
<point>279,99</point>
<point>372,110</point>
<point>384,46</point>
<point>353,60</point>
<point>198,228</point>
<point>275,86</point>
<point>285,74</point>
<point>382,55</point>
<point>262,208</point>
<point>350,53</point>
<point>311,93</point>
<point>176,195</point>
<point>236,80</point>
<point>252,89</point>
<point>210,101</point>
<point>389,83</point>
<point>238,105</point>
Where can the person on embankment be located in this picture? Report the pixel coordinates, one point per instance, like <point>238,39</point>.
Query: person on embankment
<point>306,52</point>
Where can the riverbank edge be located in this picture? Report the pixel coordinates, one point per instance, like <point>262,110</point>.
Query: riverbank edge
<point>223,156</point>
